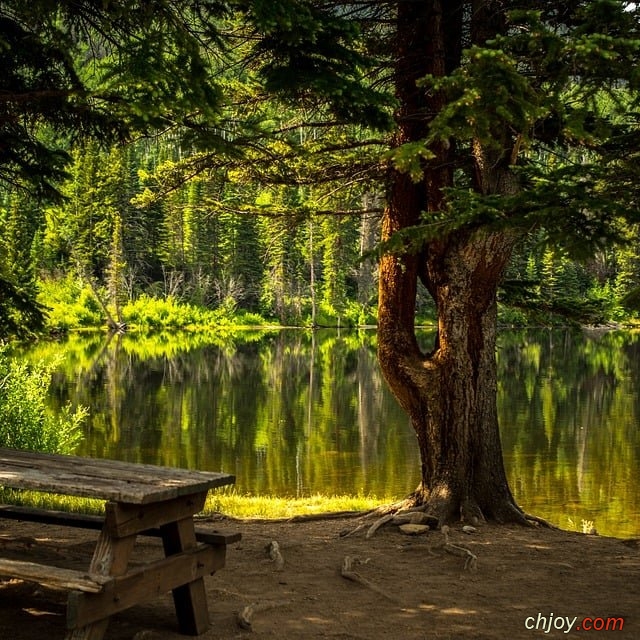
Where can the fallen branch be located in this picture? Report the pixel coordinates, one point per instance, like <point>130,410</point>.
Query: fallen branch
<point>310,517</point>
<point>334,515</point>
<point>245,617</point>
<point>383,515</point>
<point>349,573</point>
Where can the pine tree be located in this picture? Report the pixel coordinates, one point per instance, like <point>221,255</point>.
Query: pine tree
<point>485,91</point>
<point>79,70</point>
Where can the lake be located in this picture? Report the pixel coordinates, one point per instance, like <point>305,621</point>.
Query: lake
<point>294,413</point>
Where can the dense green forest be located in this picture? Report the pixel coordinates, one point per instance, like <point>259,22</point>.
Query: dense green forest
<point>225,242</point>
<point>220,241</point>
<point>277,220</point>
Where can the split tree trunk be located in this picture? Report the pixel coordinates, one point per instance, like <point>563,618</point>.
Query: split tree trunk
<point>449,393</point>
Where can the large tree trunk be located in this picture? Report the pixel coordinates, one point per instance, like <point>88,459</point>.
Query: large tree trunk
<point>449,393</point>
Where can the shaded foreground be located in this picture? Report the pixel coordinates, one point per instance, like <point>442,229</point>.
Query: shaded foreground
<point>410,588</point>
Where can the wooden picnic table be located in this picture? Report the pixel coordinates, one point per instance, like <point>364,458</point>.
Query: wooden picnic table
<point>141,499</point>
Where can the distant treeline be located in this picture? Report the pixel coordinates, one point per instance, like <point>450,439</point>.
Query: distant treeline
<point>222,241</point>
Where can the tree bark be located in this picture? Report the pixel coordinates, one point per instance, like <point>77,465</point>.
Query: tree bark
<point>449,393</point>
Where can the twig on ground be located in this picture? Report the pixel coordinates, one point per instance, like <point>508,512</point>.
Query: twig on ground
<point>245,617</point>
<point>349,573</point>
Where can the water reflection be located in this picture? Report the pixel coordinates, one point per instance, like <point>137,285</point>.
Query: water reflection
<point>295,413</point>
<point>570,419</point>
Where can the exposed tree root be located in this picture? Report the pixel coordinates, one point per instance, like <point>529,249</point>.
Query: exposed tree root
<point>349,573</point>
<point>514,514</point>
<point>413,516</point>
<point>345,533</point>
<point>471,560</point>
<point>537,520</point>
<point>409,503</point>
<point>414,510</point>
<point>378,523</point>
<point>410,517</point>
<point>404,512</point>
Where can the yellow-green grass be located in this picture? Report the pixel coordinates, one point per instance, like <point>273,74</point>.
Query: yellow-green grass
<point>228,503</point>
<point>41,500</point>
<point>273,507</point>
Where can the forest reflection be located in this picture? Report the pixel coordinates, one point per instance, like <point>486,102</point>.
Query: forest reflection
<point>293,413</point>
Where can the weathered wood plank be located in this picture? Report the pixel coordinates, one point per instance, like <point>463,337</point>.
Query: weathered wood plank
<point>126,519</point>
<point>140,585</point>
<point>51,516</point>
<point>216,538</point>
<point>53,576</point>
<point>110,558</point>
<point>104,479</point>
<point>86,521</point>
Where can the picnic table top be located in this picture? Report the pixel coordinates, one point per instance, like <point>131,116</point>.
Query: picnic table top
<point>103,479</point>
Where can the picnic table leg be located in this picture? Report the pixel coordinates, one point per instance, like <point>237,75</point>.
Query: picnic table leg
<point>110,558</point>
<point>190,599</point>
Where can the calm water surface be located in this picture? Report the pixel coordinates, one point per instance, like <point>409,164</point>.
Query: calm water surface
<point>294,413</point>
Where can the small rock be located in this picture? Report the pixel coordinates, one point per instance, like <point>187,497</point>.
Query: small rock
<point>469,529</point>
<point>414,529</point>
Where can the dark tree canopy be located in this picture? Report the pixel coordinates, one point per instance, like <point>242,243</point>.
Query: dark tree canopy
<point>72,70</point>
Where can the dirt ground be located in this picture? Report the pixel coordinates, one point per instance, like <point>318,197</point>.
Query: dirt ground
<point>410,588</point>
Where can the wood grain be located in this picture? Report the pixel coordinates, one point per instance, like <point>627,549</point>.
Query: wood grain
<point>103,479</point>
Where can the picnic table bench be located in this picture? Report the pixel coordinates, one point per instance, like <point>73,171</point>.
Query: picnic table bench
<point>140,499</point>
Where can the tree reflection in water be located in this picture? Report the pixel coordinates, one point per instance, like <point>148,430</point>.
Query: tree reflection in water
<point>296,413</point>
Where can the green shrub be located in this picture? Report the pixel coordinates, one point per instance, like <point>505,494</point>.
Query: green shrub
<point>25,420</point>
<point>353,314</point>
<point>70,304</point>
<point>249,319</point>
<point>158,313</point>
<point>511,317</point>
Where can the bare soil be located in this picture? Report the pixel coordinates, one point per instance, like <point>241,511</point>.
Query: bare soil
<point>410,587</point>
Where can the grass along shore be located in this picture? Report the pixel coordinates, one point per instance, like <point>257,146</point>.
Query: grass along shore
<point>229,503</point>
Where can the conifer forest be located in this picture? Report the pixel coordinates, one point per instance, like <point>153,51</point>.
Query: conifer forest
<point>236,159</point>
